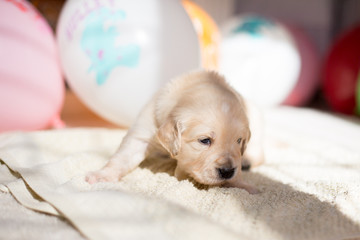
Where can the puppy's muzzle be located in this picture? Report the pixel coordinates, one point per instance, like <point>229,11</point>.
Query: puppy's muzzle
<point>226,173</point>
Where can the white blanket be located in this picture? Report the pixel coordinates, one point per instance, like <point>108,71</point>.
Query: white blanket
<point>310,185</point>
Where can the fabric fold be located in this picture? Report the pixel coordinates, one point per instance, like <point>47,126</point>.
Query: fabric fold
<point>309,185</point>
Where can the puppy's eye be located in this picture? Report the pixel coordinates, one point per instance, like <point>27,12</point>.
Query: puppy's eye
<point>239,140</point>
<point>205,141</point>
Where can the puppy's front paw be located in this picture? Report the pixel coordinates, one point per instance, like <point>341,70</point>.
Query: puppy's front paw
<point>103,175</point>
<point>240,184</point>
<point>252,190</point>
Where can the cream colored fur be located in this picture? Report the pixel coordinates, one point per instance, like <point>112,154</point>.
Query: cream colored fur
<point>200,121</point>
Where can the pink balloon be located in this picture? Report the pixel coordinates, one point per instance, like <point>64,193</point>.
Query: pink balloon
<point>309,78</point>
<point>31,83</point>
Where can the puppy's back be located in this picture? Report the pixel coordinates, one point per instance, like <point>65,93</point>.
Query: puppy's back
<point>197,84</point>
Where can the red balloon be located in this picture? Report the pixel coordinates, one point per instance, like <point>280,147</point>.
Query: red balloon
<point>341,71</point>
<point>309,79</point>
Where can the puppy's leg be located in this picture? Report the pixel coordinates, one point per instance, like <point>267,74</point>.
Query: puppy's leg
<point>132,150</point>
<point>129,155</point>
<point>254,153</point>
<point>239,183</point>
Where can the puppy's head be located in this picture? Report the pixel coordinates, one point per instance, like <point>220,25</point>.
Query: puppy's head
<point>208,138</point>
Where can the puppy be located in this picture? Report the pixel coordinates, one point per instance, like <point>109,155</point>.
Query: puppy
<point>200,121</point>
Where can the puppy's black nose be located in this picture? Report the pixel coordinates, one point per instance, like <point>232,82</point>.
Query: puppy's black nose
<point>226,173</point>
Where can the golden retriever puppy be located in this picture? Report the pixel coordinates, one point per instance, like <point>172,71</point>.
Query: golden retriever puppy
<point>200,121</point>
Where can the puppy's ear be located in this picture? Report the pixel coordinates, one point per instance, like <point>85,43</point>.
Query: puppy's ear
<point>244,143</point>
<point>169,136</point>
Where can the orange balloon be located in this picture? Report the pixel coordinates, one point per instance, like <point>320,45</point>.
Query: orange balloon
<point>208,34</point>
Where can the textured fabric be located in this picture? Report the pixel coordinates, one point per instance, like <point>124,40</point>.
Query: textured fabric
<point>20,223</point>
<point>310,185</point>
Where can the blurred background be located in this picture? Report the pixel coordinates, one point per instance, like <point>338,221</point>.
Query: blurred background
<point>275,52</point>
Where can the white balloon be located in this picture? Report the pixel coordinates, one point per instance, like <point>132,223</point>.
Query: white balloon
<point>117,54</point>
<point>260,59</point>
